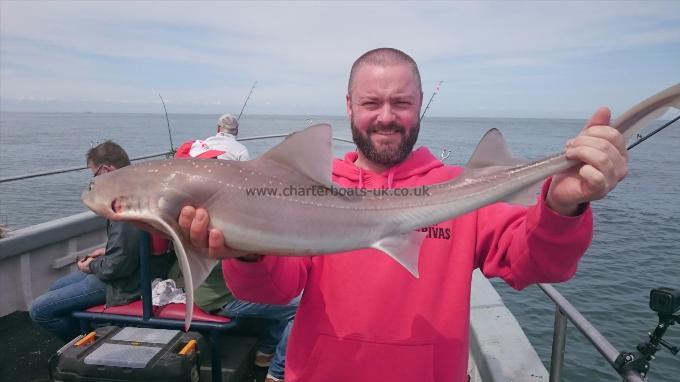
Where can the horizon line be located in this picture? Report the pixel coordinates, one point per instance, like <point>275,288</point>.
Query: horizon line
<point>270,115</point>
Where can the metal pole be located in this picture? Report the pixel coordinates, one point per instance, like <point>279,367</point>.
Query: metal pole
<point>283,136</point>
<point>593,335</point>
<point>558,344</point>
<point>145,274</point>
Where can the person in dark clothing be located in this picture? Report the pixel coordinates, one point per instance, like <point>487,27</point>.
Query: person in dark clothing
<point>107,275</point>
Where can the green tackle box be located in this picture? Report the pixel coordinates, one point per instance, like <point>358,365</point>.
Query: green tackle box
<point>112,353</point>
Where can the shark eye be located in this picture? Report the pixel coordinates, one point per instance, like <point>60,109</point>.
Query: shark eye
<point>117,205</point>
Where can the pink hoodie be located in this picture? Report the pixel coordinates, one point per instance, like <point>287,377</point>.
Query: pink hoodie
<point>363,317</point>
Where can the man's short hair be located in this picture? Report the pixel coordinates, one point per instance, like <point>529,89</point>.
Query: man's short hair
<point>227,123</point>
<point>383,57</point>
<point>109,153</point>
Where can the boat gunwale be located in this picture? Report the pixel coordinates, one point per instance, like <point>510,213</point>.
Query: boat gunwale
<point>40,235</point>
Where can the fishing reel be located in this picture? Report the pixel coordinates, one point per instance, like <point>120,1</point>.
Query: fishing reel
<point>666,303</point>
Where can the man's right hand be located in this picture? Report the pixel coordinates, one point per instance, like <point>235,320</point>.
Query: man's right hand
<point>195,224</point>
<point>84,264</point>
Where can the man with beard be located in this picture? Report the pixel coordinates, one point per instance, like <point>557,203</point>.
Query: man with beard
<point>363,317</point>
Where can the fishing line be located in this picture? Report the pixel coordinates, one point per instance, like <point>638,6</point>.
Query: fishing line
<point>167,120</point>
<point>642,139</point>
<point>246,102</point>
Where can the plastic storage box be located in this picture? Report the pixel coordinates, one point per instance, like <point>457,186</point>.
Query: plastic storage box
<point>113,353</point>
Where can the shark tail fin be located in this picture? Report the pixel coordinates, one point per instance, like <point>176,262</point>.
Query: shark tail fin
<point>404,248</point>
<point>641,115</point>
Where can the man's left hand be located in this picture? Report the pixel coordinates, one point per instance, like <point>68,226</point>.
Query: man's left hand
<point>602,149</point>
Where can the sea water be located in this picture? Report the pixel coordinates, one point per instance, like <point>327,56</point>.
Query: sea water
<point>636,245</point>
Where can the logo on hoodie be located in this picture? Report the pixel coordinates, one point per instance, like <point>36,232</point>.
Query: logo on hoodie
<point>436,232</point>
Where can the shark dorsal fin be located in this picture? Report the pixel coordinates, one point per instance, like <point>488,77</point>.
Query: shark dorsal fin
<point>492,151</point>
<point>493,154</point>
<point>306,151</point>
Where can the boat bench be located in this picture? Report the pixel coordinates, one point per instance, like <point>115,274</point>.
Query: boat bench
<point>171,316</point>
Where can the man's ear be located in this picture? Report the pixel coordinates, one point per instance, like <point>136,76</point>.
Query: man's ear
<point>349,106</point>
<point>108,168</point>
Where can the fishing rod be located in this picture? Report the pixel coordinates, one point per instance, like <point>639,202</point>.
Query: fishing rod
<point>445,153</point>
<point>69,169</point>
<point>246,102</point>
<point>642,139</point>
<point>167,120</point>
<point>436,91</point>
<point>167,153</point>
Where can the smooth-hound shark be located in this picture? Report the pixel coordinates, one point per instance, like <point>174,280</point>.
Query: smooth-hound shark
<point>284,202</point>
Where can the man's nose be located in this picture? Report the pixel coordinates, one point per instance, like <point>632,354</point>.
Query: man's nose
<point>386,114</point>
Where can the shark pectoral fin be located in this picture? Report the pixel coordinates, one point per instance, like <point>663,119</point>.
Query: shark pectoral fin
<point>308,152</point>
<point>195,268</point>
<point>527,196</point>
<point>404,248</point>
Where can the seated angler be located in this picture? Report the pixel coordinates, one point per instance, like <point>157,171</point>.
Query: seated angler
<point>107,275</point>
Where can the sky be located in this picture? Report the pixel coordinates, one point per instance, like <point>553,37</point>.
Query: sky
<point>496,59</point>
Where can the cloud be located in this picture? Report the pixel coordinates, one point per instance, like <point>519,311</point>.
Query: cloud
<point>209,53</point>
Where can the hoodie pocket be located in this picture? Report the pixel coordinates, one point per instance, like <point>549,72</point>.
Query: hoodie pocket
<point>335,359</point>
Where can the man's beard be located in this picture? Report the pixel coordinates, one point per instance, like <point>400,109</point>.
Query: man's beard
<point>386,156</point>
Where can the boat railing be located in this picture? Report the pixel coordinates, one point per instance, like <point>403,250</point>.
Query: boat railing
<point>564,312</point>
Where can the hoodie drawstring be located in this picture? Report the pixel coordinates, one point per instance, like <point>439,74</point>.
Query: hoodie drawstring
<point>390,177</point>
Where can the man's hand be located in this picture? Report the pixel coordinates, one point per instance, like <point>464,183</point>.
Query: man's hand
<point>84,264</point>
<point>195,225</point>
<point>602,149</point>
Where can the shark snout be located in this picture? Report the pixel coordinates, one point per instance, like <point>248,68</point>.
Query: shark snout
<point>110,208</point>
